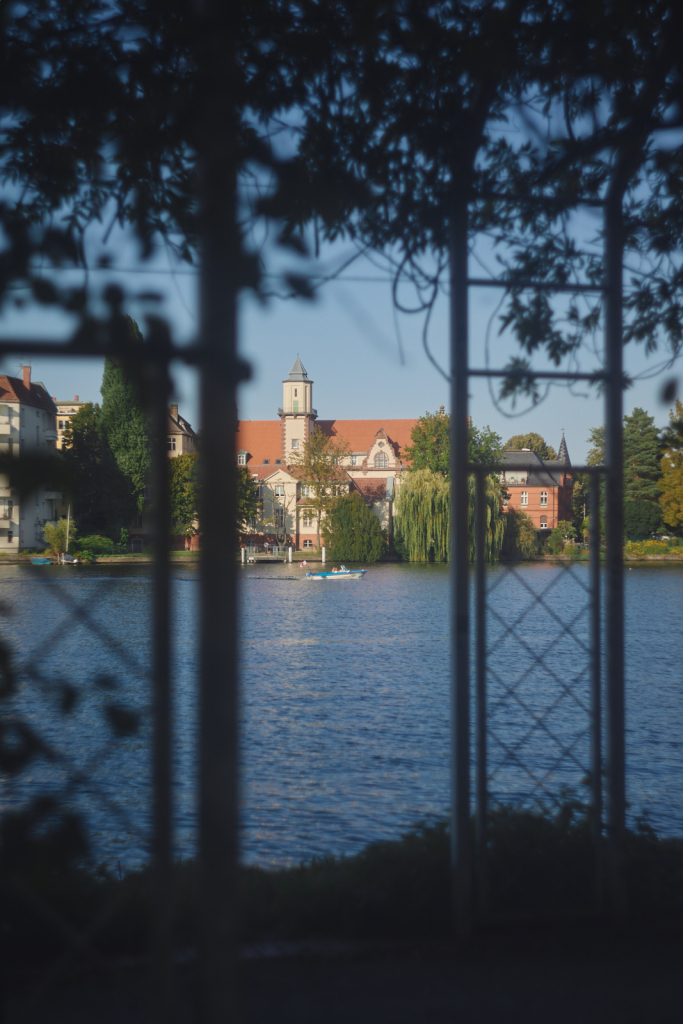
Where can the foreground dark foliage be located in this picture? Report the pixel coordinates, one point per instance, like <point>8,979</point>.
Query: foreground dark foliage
<point>540,865</point>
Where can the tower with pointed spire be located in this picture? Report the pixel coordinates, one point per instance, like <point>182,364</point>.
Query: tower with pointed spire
<point>297,414</point>
<point>563,454</point>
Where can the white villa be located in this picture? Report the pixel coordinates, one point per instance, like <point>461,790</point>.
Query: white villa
<point>27,426</point>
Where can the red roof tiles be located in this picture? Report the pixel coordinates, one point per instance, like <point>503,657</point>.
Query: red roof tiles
<point>14,390</point>
<point>262,439</point>
<point>360,434</point>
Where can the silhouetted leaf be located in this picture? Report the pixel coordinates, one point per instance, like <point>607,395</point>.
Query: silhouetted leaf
<point>44,291</point>
<point>123,721</point>
<point>69,698</point>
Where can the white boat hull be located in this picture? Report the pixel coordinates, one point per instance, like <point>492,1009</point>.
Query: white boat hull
<point>354,574</point>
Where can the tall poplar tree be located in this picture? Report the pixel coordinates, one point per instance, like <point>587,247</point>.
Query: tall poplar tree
<point>124,422</point>
<point>103,497</point>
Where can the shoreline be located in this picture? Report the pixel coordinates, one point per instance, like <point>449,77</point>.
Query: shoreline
<point>179,559</point>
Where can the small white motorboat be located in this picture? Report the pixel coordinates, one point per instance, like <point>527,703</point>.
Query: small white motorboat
<point>340,574</point>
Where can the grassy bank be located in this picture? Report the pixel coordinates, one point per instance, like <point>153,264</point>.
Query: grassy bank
<point>538,865</point>
<point>671,550</point>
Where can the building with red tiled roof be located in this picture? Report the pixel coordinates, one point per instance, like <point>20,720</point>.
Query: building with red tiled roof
<point>27,425</point>
<point>373,466</point>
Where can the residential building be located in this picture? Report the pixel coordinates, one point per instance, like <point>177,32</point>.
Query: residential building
<point>373,467</point>
<point>27,426</point>
<point>66,410</point>
<point>182,439</point>
<point>541,488</point>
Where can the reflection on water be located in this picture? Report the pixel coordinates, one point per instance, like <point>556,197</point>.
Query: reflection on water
<point>345,697</point>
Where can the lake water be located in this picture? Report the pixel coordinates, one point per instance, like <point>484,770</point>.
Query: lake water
<point>345,697</point>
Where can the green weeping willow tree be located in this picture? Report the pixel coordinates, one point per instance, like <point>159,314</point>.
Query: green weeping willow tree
<point>423,517</point>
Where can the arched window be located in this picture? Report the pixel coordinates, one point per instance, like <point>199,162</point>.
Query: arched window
<point>544,522</point>
<point>544,499</point>
<point>381,460</point>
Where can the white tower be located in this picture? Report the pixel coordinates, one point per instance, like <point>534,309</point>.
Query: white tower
<point>297,414</point>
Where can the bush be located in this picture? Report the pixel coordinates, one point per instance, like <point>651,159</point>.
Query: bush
<point>353,533</point>
<point>638,549</point>
<point>563,532</point>
<point>521,536</point>
<point>96,544</point>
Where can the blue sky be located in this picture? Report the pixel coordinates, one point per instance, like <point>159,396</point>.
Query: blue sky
<point>366,360</point>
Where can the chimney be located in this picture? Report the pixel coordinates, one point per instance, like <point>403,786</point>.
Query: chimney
<point>173,409</point>
<point>75,398</point>
<point>26,371</point>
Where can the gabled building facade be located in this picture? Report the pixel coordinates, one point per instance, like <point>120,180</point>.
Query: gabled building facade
<point>540,488</point>
<point>265,448</point>
<point>66,410</point>
<point>27,426</point>
<point>181,438</point>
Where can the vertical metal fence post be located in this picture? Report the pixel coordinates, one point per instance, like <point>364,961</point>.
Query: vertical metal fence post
<point>461,844</point>
<point>596,682</point>
<point>218,685</point>
<point>162,855</point>
<point>481,777</point>
<point>614,531</point>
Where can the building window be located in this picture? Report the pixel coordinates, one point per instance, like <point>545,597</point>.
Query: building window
<point>307,521</point>
<point>61,425</point>
<point>278,462</point>
<point>295,442</point>
<point>10,536</point>
<point>171,444</point>
<point>354,460</point>
<point>308,543</point>
<point>381,460</point>
<point>544,499</point>
<point>544,522</point>
<point>6,509</point>
<point>266,462</point>
<point>306,490</point>
<point>279,490</point>
<point>241,458</point>
<point>296,392</point>
<point>295,406</point>
<point>279,517</point>
<point>524,500</point>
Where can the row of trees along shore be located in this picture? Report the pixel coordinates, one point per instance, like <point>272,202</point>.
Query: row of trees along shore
<point>653,493</point>
<point>108,454</point>
<point>653,475</point>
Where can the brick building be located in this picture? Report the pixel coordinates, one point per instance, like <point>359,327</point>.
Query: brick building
<point>373,468</point>
<point>541,488</point>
